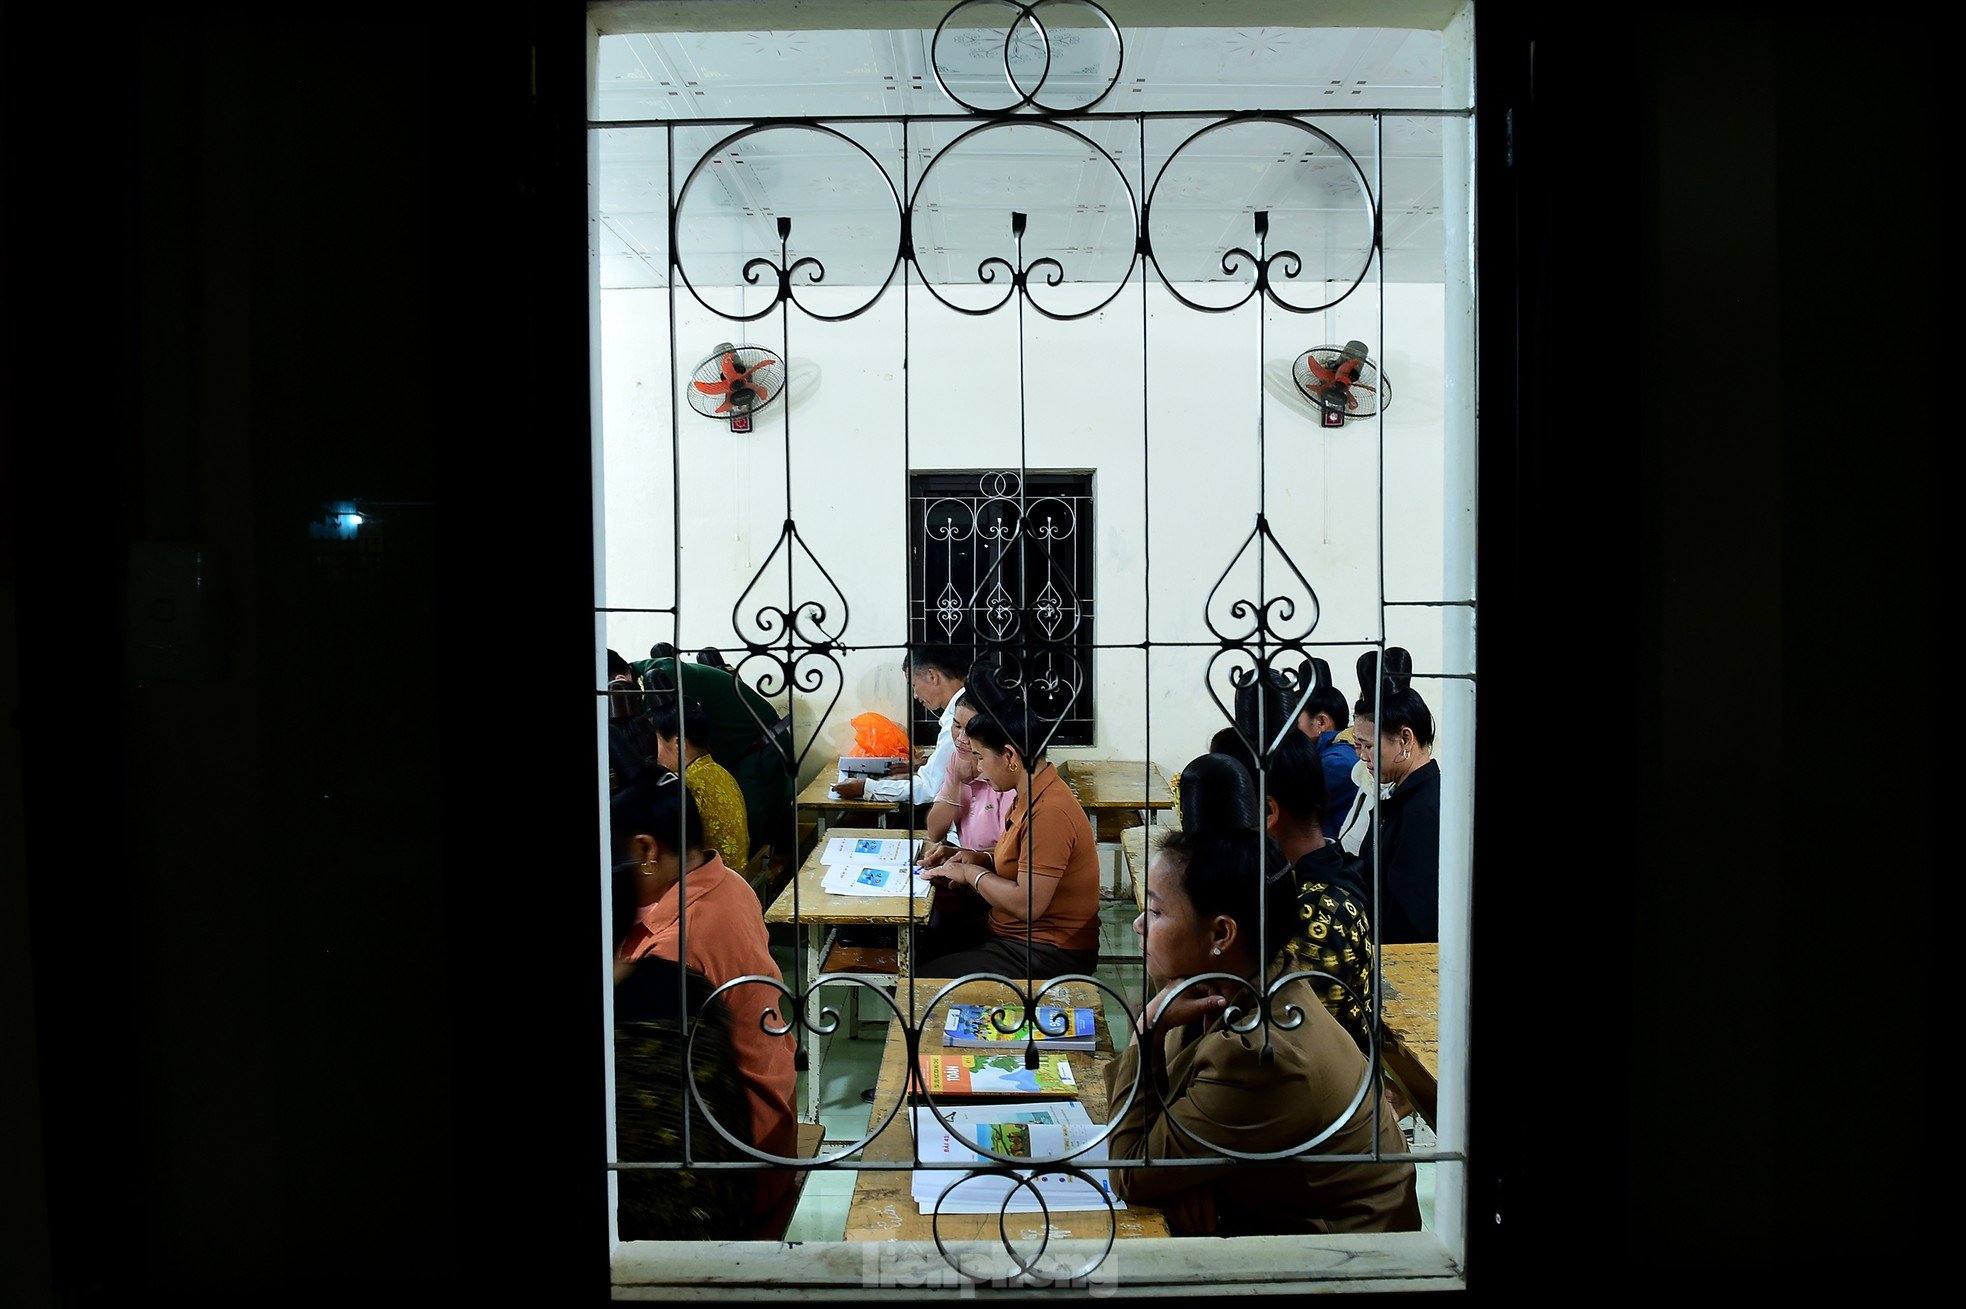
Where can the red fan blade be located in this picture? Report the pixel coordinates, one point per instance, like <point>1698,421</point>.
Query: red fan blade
<point>1319,371</point>
<point>712,388</point>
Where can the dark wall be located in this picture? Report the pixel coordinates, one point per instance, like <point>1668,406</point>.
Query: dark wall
<point>295,810</point>
<point>311,1006</point>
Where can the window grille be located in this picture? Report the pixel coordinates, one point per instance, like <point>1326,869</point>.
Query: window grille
<point>794,624</point>
<point>970,563</point>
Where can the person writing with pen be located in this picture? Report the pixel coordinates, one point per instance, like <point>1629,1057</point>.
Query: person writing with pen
<point>1039,883</point>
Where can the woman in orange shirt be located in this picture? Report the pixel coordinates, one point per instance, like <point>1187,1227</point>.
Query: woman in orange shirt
<point>719,930</point>
<point>1041,882</point>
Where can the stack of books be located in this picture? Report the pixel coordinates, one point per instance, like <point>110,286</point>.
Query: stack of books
<point>947,1073</point>
<point>1040,1131</point>
<point>973,1027</point>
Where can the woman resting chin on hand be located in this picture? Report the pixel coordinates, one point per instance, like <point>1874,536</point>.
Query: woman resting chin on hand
<point>1208,896</point>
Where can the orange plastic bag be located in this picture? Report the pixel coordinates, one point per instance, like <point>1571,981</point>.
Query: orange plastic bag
<point>876,736</point>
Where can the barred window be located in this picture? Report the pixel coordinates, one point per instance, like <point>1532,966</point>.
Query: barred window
<point>922,337</point>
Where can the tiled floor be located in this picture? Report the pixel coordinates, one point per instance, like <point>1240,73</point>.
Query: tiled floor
<point>852,1061</point>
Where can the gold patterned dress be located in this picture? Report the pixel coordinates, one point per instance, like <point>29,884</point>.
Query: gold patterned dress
<point>721,803</point>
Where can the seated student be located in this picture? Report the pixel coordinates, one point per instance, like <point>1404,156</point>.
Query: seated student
<point>1333,931</point>
<point>631,746</point>
<point>1262,707</point>
<point>1327,722</point>
<point>682,745</point>
<point>1201,916</point>
<point>720,932</point>
<point>741,738</point>
<point>1044,871</point>
<point>1398,749</point>
<point>1214,791</point>
<point>656,1001</point>
<point>937,675</point>
<point>975,809</point>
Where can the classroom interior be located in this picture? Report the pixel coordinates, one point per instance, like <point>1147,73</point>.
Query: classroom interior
<point>1186,465</point>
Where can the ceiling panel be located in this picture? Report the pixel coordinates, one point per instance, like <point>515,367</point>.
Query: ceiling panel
<point>843,212</point>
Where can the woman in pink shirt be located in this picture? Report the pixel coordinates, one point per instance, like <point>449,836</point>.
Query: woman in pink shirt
<point>977,811</point>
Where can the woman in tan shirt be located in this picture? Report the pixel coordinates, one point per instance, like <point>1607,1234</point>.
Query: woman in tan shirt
<point>1041,882</point>
<point>1219,1089</point>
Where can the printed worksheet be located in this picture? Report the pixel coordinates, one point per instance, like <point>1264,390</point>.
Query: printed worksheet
<point>872,849</point>
<point>865,877</point>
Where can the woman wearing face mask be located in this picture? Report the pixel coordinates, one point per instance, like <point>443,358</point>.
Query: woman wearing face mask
<point>1404,840</point>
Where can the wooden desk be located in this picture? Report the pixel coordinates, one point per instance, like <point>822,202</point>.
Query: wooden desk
<point>1137,847</point>
<point>1409,1018</point>
<point>1116,793</point>
<point>822,914</point>
<point>815,800</point>
<point>883,1209</point>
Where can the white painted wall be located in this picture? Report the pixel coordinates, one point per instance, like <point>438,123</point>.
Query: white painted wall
<point>1193,477</point>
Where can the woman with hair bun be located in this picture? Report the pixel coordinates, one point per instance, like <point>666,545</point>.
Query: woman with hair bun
<point>1404,843</point>
<point>1218,907</point>
<point>1214,793</point>
<point>1327,722</point>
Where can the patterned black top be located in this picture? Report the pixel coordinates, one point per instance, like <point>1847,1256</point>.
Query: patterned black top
<point>1334,935</point>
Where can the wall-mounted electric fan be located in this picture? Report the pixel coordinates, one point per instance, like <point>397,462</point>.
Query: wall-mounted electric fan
<point>735,382</point>
<point>1342,382</point>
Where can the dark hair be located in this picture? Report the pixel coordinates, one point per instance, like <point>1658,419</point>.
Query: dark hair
<point>625,897</point>
<point>618,667</point>
<point>1001,726</point>
<point>1224,872</point>
<point>1217,794</point>
<point>696,721</point>
<point>711,656</point>
<point>1296,780</point>
<point>1399,704</point>
<point>662,650</point>
<point>1326,698</point>
<point>631,748</point>
<point>1270,692</point>
<point>1229,742</point>
<point>949,660</point>
<point>652,804</point>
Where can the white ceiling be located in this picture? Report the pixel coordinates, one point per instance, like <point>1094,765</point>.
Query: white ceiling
<point>843,209</point>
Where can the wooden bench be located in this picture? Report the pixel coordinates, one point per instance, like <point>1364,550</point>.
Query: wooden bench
<point>870,961</point>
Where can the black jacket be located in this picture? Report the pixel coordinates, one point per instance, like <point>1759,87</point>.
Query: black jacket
<point>1408,908</point>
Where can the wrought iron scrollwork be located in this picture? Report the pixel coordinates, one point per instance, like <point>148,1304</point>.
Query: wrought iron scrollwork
<point>793,648</point>
<point>786,271</point>
<point>1025,615</point>
<point>1262,642</point>
<point>1027,13</point>
<point>1263,262</point>
<point>1017,273</point>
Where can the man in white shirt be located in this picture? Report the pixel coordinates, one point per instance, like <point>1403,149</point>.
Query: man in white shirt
<point>936,676</point>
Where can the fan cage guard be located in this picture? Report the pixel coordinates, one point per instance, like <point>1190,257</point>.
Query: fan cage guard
<point>770,379</point>
<point>1369,402</point>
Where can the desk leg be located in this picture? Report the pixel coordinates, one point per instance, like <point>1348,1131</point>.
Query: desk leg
<point>815,1043</point>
